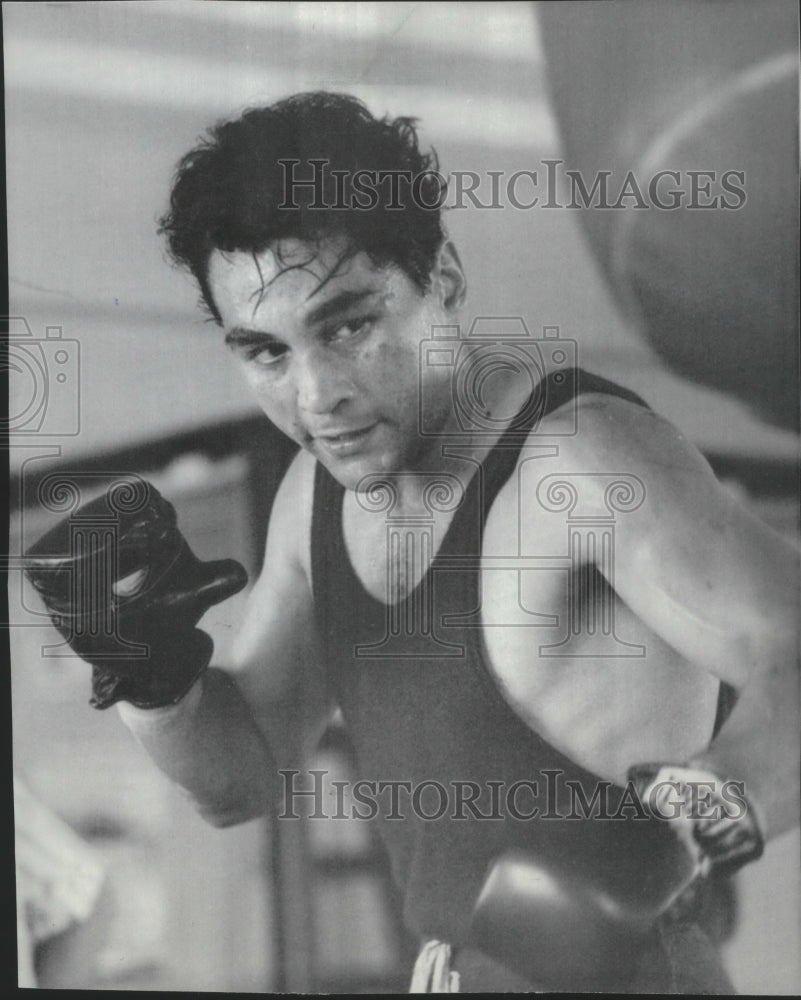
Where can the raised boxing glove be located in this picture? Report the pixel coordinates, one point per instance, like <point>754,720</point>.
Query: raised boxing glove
<point>125,590</point>
<point>713,817</point>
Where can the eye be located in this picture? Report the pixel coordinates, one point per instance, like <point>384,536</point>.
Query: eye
<point>130,584</point>
<point>352,328</point>
<point>266,357</point>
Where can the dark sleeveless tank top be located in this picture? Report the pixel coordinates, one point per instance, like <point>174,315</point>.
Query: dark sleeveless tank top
<point>425,716</point>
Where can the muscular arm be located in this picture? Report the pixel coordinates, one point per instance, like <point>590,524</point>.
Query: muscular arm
<point>210,746</point>
<point>225,740</point>
<point>718,585</point>
<point>760,744</point>
<point>275,659</point>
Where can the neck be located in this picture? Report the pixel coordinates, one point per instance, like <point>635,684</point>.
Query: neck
<point>456,453</point>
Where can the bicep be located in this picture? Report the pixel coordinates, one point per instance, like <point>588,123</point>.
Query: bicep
<point>276,643</point>
<point>275,658</point>
<point>699,568</point>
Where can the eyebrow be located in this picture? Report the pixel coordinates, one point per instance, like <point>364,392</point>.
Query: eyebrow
<point>240,336</point>
<point>339,303</point>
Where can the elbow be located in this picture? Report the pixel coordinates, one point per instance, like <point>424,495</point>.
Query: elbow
<point>766,658</point>
<point>222,819</point>
<point>232,809</point>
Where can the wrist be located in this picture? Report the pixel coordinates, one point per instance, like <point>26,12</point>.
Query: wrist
<point>173,665</point>
<point>139,718</point>
<point>711,814</point>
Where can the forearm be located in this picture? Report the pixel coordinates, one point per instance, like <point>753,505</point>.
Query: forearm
<point>760,745</point>
<point>210,745</point>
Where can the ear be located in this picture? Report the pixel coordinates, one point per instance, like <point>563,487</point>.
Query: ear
<point>448,279</point>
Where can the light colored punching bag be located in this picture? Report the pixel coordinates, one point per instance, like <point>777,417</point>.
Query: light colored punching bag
<point>708,90</point>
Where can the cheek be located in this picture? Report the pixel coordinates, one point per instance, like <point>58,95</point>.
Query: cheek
<point>437,393</point>
<point>394,365</point>
<point>275,399</point>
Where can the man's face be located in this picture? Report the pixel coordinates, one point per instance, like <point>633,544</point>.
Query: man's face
<point>332,350</point>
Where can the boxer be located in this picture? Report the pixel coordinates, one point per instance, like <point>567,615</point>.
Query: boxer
<point>392,582</point>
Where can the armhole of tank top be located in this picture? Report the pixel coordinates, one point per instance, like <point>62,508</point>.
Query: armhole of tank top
<point>318,537</point>
<point>585,383</point>
<point>502,460</point>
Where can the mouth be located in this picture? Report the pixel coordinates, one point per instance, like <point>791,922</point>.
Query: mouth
<point>346,442</point>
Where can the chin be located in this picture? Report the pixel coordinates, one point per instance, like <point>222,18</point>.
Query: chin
<point>351,473</point>
<point>386,456</point>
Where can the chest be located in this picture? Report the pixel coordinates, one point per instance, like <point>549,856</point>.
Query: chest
<point>390,546</point>
<point>568,656</point>
<point>571,657</point>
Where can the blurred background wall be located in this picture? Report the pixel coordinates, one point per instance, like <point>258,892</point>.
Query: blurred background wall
<point>101,101</point>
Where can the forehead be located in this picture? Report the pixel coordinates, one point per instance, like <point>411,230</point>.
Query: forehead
<point>292,274</point>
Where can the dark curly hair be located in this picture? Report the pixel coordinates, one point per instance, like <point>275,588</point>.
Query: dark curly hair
<point>230,192</point>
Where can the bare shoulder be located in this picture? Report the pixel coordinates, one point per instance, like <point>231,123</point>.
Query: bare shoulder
<point>278,619</point>
<point>289,534</point>
<point>614,456</point>
<point>276,657</point>
<point>610,431</point>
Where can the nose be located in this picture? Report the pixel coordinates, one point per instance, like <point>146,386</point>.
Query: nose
<point>320,382</point>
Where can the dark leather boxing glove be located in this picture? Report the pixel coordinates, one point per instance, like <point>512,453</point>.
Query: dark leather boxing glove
<point>713,817</point>
<point>126,592</point>
<point>574,912</point>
